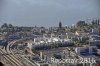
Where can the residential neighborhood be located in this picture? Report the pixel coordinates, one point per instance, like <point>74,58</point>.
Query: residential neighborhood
<point>39,45</point>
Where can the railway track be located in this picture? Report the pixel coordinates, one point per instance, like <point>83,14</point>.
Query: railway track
<point>17,57</point>
<point>10,59</point>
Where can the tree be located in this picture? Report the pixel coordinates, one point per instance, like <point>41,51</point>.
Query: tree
<point>35,51</point>
<point>1,64</point>
<point>26,52</point>
<point>10,25</point>
<point>60,25</point>
<point>5,25</point>
<point>81,23</point>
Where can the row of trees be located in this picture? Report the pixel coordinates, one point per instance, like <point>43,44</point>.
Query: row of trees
<point>5,25</point>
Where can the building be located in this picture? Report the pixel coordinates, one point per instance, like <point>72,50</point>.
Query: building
<point>90,50</point>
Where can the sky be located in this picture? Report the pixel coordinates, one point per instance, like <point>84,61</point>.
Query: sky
<point>47,12</point>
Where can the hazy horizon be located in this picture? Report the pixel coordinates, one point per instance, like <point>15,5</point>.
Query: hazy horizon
<point>47,12</point>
